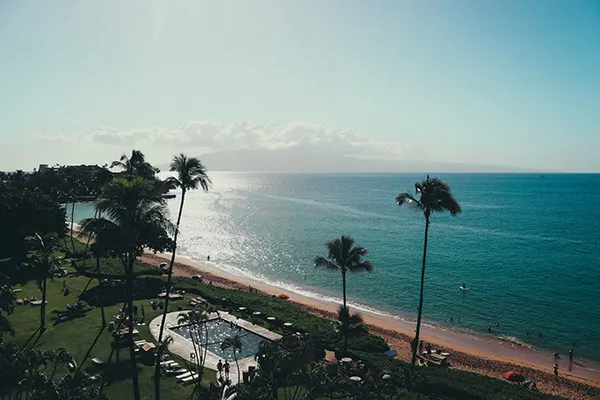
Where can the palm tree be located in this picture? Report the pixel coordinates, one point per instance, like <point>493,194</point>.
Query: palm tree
<point>45,264</point>
<point>350,324</point>
<point>195,318</point>
<point>191,174</point>
<point>135,219</point>
<point>434,195</point>
<point>235,344</point>
<point>136,165</point>
<point>343,256</point>
<point>283,363</point>
<point>58,356</point>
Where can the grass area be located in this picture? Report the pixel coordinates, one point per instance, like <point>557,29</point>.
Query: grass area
<point>84,340</point>
<point>82,335</point>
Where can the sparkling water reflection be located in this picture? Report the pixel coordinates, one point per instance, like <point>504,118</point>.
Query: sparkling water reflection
<point>218,329</point>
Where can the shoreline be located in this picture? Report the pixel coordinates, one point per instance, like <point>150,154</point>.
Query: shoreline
<point>491,356</point>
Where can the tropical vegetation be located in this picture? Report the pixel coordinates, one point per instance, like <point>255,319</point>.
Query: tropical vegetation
<point>76,354</point>
<point>235,344</point>
<point>191,174</point>
<point>344,256</point>
<point>432,195</point>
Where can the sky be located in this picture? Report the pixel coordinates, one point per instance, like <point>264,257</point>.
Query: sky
<point>501,83</point>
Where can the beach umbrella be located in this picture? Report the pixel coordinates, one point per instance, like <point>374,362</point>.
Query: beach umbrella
<point>514,376</point>
<point>283,296</point>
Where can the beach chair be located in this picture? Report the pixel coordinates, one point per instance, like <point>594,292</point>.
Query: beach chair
<point>97,361</point>
<point>184,375</point>
<point>175,372</point>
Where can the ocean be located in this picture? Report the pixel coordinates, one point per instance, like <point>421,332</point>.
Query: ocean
<point>527,245</point>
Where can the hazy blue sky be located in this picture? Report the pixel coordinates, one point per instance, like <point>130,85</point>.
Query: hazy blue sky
<point>481,82</point>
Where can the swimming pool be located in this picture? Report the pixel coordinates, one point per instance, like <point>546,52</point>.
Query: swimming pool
<point>218,329</point>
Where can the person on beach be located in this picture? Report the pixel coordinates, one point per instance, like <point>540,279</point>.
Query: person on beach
<point>497,324</point>
<point>220,368</point>
<point>208,257</point>
<point>570,355</point>
<point>540,335</point>
<point>556,370</point>
<point>451,319</point>
<point>226,367</point>
<point>490,329</point>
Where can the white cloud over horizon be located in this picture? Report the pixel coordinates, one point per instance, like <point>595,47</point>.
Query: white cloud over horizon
<point>201,137</point>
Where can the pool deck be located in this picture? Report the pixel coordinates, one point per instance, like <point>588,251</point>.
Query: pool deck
<point>183,347</point>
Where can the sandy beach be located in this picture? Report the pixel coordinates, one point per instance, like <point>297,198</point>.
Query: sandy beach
<point>485,355</point>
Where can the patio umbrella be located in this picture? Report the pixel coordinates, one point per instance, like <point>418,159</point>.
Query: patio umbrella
<point>514,376</point>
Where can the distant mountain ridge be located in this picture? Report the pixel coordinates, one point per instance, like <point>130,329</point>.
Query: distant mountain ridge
<point>290,160</point>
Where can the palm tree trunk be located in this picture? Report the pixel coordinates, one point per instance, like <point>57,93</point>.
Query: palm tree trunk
<point>72,218</point>
<point>100,282</point>
<point>415,344</point>
<point>168,291</point>
<point>344,285</point>
<point>43,309</point>
<point>134,372</point>
<point>344,290</point>
<point>205,346</point>
<point>237,366</point>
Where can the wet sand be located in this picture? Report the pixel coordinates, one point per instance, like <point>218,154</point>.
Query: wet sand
<point>486,355</point>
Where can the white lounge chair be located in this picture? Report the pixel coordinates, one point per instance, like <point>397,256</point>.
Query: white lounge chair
<point>184,375</point>
<point>175,371</point>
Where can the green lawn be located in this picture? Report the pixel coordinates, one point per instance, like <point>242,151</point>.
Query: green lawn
<point>82,335</point>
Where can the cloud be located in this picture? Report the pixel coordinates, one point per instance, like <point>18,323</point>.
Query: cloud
<point>206,136</point>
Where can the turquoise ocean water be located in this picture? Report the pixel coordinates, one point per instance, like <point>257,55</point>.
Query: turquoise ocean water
<point>527,246</point>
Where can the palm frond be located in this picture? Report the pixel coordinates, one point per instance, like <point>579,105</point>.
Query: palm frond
<point>409,200</point>
<point>435,196</point>
<point>233,342</point>
<point>362,266</point>
<point>191,173</point>
<point>325,263</point>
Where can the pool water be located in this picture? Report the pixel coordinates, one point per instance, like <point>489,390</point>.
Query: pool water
<point>218,329</point>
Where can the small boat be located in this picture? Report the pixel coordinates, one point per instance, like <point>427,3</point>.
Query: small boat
<point>464,288</point>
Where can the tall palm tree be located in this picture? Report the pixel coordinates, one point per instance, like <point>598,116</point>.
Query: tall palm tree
<point>45,264</point>
<point>196,319</point>
<point>235,344</point>
<point>343,256</point>
<point>135,218</point>
<point>58,356</point>
<point>350,324</point>
<point>191,174</point>
<point>433,195</point>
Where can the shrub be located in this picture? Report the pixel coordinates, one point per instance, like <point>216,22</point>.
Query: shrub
<point>112,268</point>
